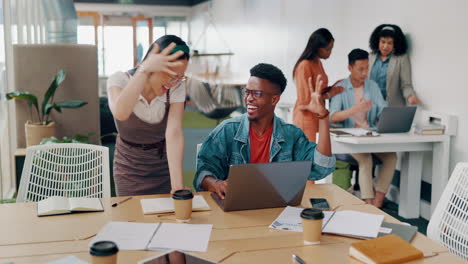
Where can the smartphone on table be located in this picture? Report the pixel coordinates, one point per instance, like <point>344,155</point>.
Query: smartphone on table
<point>319,203</point>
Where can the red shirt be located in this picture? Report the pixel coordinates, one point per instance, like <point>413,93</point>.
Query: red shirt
<point>260,146</point>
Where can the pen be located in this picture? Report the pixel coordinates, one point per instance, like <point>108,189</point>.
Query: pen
<point>298,259</point>
<point>121,202</point>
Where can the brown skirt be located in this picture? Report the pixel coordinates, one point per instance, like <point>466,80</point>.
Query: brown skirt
<point>140,172</point>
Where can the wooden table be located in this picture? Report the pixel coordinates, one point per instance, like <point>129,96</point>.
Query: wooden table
<point>237,237</point>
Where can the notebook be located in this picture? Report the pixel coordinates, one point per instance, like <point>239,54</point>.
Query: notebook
<point>406,232</point>
<point>384,250</point>
<point>155,236</point>
<point>344,223</point>
<point>166,205</point>
<point>56,205</point>
<point>175,256</point>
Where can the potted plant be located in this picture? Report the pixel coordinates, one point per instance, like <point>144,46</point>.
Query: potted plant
<point>43,126</point>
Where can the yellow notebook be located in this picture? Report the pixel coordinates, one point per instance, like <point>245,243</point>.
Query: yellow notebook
<point>384,250</point>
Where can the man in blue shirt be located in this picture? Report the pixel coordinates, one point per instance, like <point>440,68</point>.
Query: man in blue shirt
<point>359,106</point>
<point>260,136</point>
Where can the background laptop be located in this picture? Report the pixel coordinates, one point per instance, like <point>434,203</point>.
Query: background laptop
<point>265,185</point>
<point>396,119</point>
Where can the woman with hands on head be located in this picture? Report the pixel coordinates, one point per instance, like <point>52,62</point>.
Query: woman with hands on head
<point>309,66</point>
<point>148,106</point>
<point>390,67</point>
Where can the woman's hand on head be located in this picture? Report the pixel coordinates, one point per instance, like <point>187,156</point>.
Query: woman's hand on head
<point>162,61</point>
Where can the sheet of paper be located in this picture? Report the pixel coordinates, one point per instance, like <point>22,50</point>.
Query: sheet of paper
<point>182,237</point>
<point>359,132</point>
<point>163,205</point>
<point>68,260</point>
<point>289,220</point>
<point>53,203</point>
<point>85,203</point>
<point>353,223</point>
<point>127,236</point>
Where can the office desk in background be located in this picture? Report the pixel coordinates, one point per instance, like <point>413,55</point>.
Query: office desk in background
<point>411,168</point>
<point>237,237</point>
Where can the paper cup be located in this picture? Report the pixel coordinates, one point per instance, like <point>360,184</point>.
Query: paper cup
<point>183,205</point>
<point>104,252</point>
<point>312,225</point>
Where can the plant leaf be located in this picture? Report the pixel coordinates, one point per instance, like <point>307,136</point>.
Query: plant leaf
<point>71,104</point>
<point>58,79</point>
<point>50,140</point>
<point>51,106</point>
<point>29,98</point>
<point>82,138</point>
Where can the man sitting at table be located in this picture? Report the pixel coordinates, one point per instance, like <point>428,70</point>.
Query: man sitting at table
<point>359,106</point>
<point>259,136</point>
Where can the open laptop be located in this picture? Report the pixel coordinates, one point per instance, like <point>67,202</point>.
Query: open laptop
<point>396,119</point>
<point>265,185</point>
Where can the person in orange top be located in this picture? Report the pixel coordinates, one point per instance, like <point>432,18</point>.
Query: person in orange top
<point>308,65</point>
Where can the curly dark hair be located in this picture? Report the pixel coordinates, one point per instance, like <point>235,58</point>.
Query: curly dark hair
<point>320,38</point>
<point>399,39</point>
<point>271,73</point>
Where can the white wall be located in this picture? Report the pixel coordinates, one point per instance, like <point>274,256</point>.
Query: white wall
<point>276,31</point>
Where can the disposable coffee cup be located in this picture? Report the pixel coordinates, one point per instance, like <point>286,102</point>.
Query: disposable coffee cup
<point>312,225</point>
<point>183,205</point>
<point>104,252</point>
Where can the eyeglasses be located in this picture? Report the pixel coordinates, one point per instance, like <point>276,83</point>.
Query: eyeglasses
<point>255,93</point>
<point>174,81</point>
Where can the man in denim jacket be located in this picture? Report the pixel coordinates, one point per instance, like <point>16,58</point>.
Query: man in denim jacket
<point>259,136</point>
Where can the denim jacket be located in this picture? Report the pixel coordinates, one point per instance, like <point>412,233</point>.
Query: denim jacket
<point>228,144</point>
<point>345,100</point>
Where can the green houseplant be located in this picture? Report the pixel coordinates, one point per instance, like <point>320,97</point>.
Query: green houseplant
<point>43,126</point>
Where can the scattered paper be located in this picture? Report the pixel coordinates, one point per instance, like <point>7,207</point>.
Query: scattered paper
<point>127,236</point>
<point>359,132</point>
<point>182,237</point>
<point>157,236</point>
<point>164,205</point>
<point>68,260</point>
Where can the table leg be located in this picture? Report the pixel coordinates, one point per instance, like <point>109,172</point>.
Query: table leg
<point>410,184</point>
<point>440,170</point>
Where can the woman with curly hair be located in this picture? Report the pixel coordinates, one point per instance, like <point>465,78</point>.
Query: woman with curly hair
<point>390,65</point>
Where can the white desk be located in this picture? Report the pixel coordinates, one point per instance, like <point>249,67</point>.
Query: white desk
<point>411,167</point>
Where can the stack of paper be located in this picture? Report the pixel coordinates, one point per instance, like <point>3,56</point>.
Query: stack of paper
<point>165,205</point>
<point>345,223</point>
<point>356,132</point>
<point>157,236</point>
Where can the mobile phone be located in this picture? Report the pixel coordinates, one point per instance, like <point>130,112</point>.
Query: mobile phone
<point>319,203</point>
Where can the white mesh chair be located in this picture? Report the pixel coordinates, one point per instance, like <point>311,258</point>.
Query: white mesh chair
<point>69,169</point>
<point>449,222</point>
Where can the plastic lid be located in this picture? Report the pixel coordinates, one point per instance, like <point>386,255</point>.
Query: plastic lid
<point>103,249</point>
<point>182,195</point>
<point>312,213</point>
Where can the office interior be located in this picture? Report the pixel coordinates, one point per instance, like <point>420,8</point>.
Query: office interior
<point>247,32</point>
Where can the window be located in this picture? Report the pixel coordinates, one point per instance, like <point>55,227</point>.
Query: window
<point>123,40</point>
